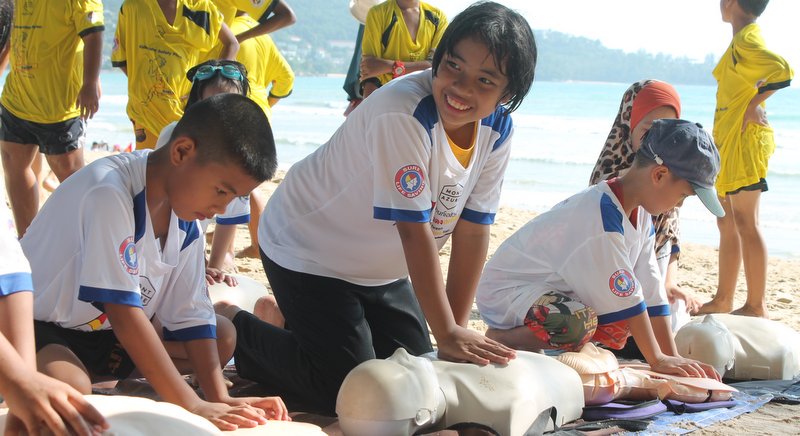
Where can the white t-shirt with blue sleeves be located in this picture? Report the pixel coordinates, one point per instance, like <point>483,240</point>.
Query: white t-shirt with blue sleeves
<point>584,248</point>
<point>15,272</point>
<point>334,214</point>
<point>93,243</point>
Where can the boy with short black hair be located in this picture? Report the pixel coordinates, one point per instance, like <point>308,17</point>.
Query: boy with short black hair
<point>350,224</point>
<point>587,270</point>
<point>134,254</point>
<point>747,74</point>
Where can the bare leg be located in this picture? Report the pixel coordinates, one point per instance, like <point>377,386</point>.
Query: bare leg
<point>257,204</point>
<point>221,258</point>
<point>61,363</point>
<point>64,165</point>
<point>518,338</point>
<point>267,310</point>
<point>730,260</point>
<point>754,252</point>
<point>21,182</point>
<point>226,343</point>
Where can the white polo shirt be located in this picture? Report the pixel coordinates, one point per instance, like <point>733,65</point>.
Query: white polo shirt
<point>15,273</point>
<point>584,248</point>
<point>93,243</point>
<point>334,214</point>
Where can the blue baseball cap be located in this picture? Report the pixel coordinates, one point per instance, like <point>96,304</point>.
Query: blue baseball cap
<point>689,152</point>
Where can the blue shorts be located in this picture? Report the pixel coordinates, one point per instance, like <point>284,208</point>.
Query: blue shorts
<point>57,138</point>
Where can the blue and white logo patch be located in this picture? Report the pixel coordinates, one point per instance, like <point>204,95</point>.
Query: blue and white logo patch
<point>409,181</point>
<point>621,283</point>
<point>127,256</point>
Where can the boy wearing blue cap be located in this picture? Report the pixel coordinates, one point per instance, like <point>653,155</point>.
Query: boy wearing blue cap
<point>586,269</point>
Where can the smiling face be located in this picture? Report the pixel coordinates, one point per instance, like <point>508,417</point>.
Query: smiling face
<point>200,190</point>
<point>468,86</point>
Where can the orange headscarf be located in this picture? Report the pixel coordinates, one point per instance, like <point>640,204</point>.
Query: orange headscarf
<point>655,95</point>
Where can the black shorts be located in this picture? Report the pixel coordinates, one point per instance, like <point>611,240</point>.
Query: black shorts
<point>760,185</point>
<point>99,351</point>
<point>56,138</point>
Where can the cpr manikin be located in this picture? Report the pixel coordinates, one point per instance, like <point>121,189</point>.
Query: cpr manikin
<point>605,381</point>
<point>405,394</point>
<point>743,347</point>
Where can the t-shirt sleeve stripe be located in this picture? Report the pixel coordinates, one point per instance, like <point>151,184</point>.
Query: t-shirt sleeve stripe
<point>661,310</point>
<point>608,318</point>
<point>15,282</point>
<point>476,217</point>
<point>414,216</point>
<point>206,331</point>
<point>101,295</point>
<point>91,30</point>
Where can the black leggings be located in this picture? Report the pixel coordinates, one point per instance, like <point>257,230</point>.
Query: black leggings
<point>335,325</point>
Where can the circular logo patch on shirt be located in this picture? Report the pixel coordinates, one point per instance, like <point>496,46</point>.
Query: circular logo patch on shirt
<point>127,255</point>
<point>621,283</point>
<point>409,181</point>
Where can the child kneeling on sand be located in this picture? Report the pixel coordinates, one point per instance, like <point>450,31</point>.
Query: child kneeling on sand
<point>117,246</point>
<point>586,269</point>
<point>420,160</point>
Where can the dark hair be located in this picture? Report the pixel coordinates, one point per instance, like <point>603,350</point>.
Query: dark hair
<point>509,39</point>
<point>196,93</point>
<point>216,124</point>
<point>6,21</point>
<point>753,7</point>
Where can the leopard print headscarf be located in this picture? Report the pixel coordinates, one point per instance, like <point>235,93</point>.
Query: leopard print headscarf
<point>617,156</point>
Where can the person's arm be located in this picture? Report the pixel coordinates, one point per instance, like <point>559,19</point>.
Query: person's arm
<point>141,342</point>
<point>755,112</point>
<point>89,95</point>
<point>373,66</point>
<point>470,246</point>
<point>642,331</point>
<point>665,337</point>
<point>36,401</point>
<point>230,45</point>
<point>674,292</point>
<point>455,343</point>
<point>282,16</point>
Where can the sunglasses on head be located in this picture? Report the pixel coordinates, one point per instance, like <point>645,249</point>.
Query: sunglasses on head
<point>208,71</point>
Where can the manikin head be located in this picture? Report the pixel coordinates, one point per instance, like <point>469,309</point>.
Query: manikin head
<point>394,396</point>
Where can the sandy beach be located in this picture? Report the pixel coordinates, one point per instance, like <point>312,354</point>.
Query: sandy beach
<point>698,273</point>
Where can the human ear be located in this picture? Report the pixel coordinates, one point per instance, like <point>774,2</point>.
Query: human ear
<point>659,174</point>
<point>182,149</point>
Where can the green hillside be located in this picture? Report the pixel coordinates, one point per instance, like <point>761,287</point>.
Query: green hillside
<point>322,40</point>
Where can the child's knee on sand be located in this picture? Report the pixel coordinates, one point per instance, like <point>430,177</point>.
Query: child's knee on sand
<point>267,310</point>
<point>62,364</point>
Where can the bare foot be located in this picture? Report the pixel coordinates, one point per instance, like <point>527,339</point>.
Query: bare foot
<point>714,307</point>
<point>250,252</point>
<point>749,311</point>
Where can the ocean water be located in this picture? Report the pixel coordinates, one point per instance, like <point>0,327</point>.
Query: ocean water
<point>560,129</point>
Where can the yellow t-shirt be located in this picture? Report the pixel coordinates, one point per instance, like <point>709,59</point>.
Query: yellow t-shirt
<point>746,69</point>
<point>258,9</point>
<point>157,55</point>
<point>47,58</point>
<point>386,34</point>
<point>268,72</point>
